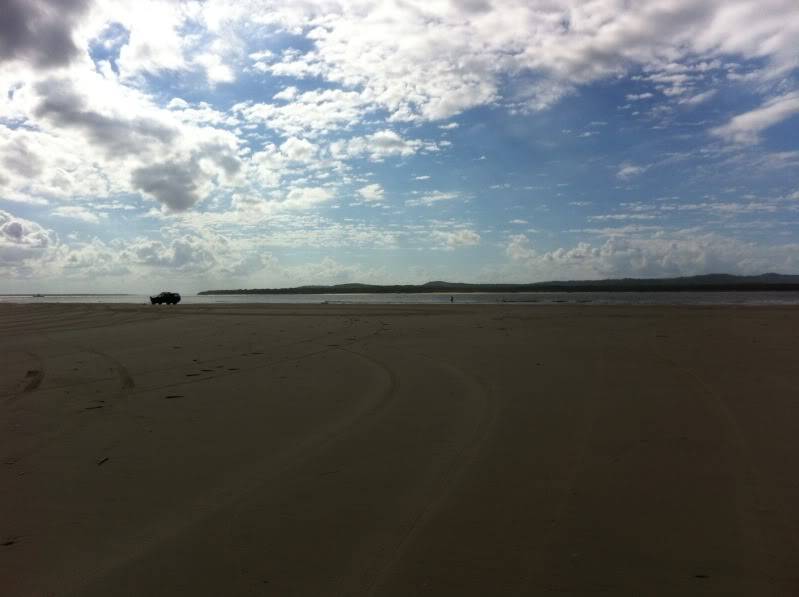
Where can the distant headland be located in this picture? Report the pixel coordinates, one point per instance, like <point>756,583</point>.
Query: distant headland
<point>707,282</point>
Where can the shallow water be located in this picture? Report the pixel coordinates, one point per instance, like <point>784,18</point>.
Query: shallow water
<point>523,298</point>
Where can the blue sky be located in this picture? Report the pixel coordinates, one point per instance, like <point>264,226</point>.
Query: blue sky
<point>196,145</point>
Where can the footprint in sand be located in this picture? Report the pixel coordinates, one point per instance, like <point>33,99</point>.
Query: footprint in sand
<point>32,380</point>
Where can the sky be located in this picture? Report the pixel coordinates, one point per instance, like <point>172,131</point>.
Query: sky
<point>150,145</point>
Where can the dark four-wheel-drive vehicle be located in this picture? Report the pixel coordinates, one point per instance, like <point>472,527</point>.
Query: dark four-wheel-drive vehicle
<point>168,298</point>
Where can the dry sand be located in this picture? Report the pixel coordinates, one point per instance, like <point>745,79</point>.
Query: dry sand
<point>398,450</point>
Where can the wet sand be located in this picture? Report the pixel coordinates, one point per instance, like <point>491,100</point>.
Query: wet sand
<point>398,450</point>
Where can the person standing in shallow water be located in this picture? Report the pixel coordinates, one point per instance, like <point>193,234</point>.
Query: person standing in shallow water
<point>451,299</point>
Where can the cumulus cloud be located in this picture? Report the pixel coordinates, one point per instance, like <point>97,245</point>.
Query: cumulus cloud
<point>298,150</point>
<point>311,113</point>
<point>173,184</point>
<point>188,252</point>
<point>19,158</point>
<point>257,207</point>
<point>306,197</point>
<point>430,61</point>
<point>98,137</point>
<point>186,255</point>
<point>371,192</point>
<point>665,254</point>
<point>154,44</point>
<point>453,239</point>
<point>64,107</point>
<point>96,130</point>
<point>22,240</point>
<point>380,145</point>
<point>287,94</point>
<point>39,166</point>
<point>746,128</point>
<point>40,31</point>
<point>215,69</point>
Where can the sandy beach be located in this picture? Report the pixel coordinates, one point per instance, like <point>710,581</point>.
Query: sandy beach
<point>398,450</point>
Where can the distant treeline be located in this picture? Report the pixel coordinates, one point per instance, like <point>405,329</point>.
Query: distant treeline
<point>709,282</point>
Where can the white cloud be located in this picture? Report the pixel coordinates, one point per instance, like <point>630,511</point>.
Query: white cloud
<point>216,70</point>
<point>746,128</point>
<point>200,114</point>
<point>371,192</point>
<point>76,135</point>
<point>628,170</point>
<point>298,150</point>
<point>430,199</point>
<point>38,166</point>
<point>186,253</point>
<point>177,103</point>
<point>423,60</point>
<point>262,55</point>
<point>457,238</point>
<point>21,241</point>
<point>77,212</point>
<point>663,254</point>
<point>297,199</point>
<point>519,248</point>
<point>287,94</point>
<point>380,145</point>
<point>310,113</point>
<point>632,97</point>
<point>154,44</point>
<point>622,217</point>
<point>89,136</point>
<point>695,100</point>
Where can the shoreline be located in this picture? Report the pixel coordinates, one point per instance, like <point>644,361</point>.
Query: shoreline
<point>620,299</point>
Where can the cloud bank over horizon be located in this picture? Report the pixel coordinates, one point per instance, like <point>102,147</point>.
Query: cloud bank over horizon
<point>146,143</point>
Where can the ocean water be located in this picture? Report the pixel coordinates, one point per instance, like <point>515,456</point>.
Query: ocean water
<point>520,298</point>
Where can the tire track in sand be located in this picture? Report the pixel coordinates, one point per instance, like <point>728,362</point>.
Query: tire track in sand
<point>484,413</point>
<point>173,531</point>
